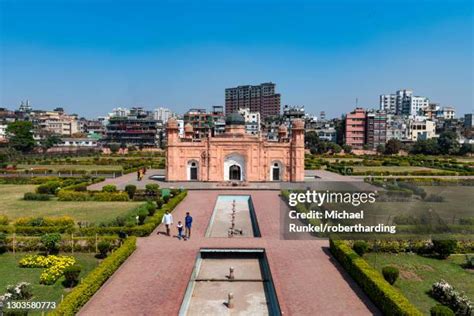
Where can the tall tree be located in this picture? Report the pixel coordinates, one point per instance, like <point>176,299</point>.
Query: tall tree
<point>20,136</point>
<point>448,143</point>
<point>393,147</point>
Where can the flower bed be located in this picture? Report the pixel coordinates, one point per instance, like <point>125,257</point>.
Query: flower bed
<point>54,266</point>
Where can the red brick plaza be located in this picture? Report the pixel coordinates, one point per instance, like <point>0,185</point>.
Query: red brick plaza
<point>153,280</point>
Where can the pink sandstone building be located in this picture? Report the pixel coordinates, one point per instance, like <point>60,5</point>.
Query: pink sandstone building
<point>235,155</point>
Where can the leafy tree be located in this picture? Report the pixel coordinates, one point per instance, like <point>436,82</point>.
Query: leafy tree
<point>335,148</point>
<point>347,148</point>
<point>466,149</point>
<point>426,147</point>
<point>20,136</point>
<point>393,147</point>
<point>448,143</point>
<point>311,140</point>
<point>49,141</point>
<point>380,148</point>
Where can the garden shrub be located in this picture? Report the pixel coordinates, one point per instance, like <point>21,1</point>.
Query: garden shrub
<point>110,188</point>
<point>104,248</point>
<point>51,242</point>
<point>130,189</point>
<point>166,198</point>
<point>65,195</point>
<point>44,221</point>
<point>360,247</point>
<point>390,274</point>
<point>71,274</point>
<point>20,292</point>
<point>94,280</point>
<point>434,198</point>
<point>49,187</point>
<point>444,293</point>
<point>388,299</point>
<point>3,220</point>
<point>151,207</point>
<point>110,197</point>
<point>142,214</point>
<point>3,243</point>
<point>30,196</point>
<point>152,188</point>
<point>462,221</point>
<point>441,310</point>
<point>444,247</point>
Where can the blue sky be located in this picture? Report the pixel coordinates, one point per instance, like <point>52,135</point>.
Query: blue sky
<point>90,56</point>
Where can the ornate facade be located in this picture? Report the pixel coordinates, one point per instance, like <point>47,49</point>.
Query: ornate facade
<point>235,155</point>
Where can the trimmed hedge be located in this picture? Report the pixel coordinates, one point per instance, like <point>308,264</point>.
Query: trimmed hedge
<point>94,280</point>
<point>388,299</point>
<point>30,196</point>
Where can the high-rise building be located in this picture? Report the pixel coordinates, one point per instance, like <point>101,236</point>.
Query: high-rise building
<point>261,98</point>
<point>376,129</point>
<point>162,114</point>
<point>403,102</point>
<point>355,128</point>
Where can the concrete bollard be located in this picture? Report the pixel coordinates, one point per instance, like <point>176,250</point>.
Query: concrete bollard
<point>230,300</point>
<point>231,273</point>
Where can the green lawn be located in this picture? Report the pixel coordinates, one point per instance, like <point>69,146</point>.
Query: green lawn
<point>394,169</point>
<point>11,274</point>
<point>13,205</point>
<point>69,167</point>
<point>417,274</point>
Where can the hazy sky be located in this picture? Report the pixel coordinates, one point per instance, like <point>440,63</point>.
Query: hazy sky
<point>90,56</point>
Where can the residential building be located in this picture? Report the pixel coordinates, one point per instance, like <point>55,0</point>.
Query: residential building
<point>376,129</point>
<point>3,131</point>
<point>420,130</point>
<point>355,128</point>
<point>252,121</point>
<point>78,142</point>
<point>92,128</point>
<point>260,98</point>
<point>205,123</point>
<point>403,102</point>
<point>434,111</point>
<point>162,114</point>
<point>468,121</point>
<point>55,122</point>
<point>396,127</point>
<point>138,128</point>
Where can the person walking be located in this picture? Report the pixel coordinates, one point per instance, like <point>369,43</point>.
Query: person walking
<point>188,222</point>
<point>180,230</point>
<point>167,220</point>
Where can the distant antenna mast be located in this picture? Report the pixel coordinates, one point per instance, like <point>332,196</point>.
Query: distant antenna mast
<point>357,102</point>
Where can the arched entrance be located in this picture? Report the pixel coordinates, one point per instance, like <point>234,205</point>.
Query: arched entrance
<point>234,167</point>
<point>276,171</point>
<point>234,172</point>
<point>193,168</point>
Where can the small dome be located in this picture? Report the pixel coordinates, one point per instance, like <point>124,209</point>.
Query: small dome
<point>172,123</point>
<point>282,129</point>
<point>188,128</point>
<point>235,119</point>
<point>298,124</point>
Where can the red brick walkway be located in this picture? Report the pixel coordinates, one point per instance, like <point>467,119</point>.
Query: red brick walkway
<point>153,280</point>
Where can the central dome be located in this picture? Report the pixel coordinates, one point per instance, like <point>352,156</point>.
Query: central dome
<point>234,119</point>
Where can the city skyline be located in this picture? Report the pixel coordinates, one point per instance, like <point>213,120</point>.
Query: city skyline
<point>90,59</point>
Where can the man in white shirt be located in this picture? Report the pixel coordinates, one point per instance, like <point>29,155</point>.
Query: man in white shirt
<point>167,220</point>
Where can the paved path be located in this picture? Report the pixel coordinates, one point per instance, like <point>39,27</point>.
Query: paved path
<point>311,176</point>
<point>153,280</point>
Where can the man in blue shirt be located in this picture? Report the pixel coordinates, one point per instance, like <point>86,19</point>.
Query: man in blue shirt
<point>188,221</point>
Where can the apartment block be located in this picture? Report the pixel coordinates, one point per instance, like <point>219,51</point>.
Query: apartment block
<point>420,130</point>
<point>355,128</point>
<point>403,102</point>
<point>205,123</point>
<point>252,121</point>
<point>376,129</point>
<point>259,98</point>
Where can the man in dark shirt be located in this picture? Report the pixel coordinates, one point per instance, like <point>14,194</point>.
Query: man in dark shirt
<point>188,221</point>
